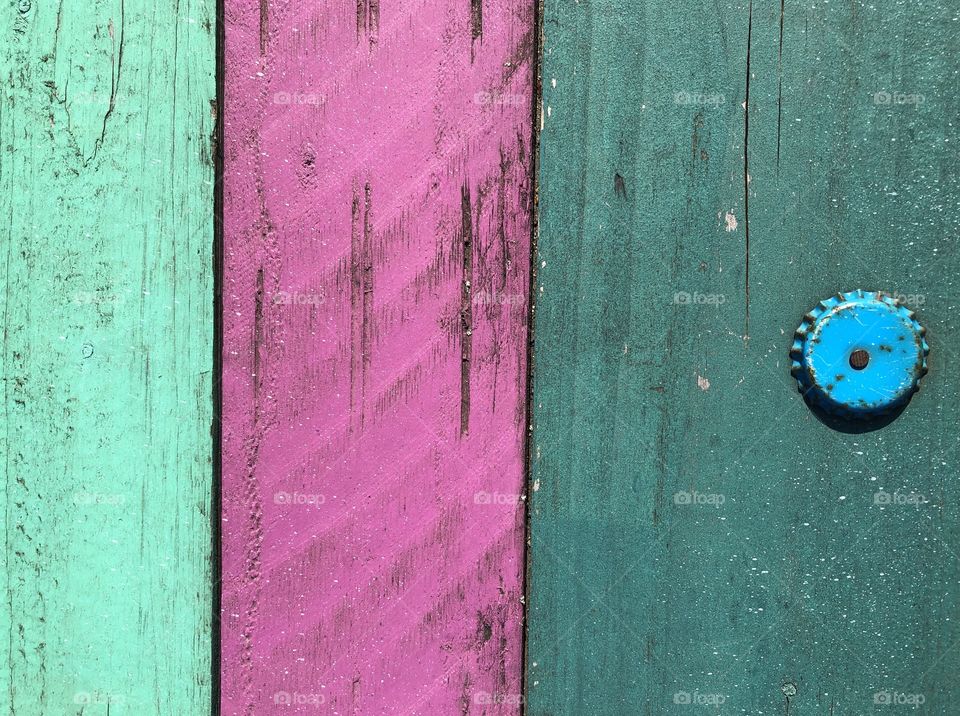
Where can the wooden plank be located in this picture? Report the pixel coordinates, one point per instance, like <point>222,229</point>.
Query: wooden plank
<point>378,194</point>
<point>709,172</point>
<point>106,185</point>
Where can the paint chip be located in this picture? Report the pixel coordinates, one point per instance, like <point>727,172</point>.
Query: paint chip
<point>731,221</point>
<point>703,383</point>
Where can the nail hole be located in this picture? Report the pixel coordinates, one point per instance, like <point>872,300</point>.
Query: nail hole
<point>859,359</point>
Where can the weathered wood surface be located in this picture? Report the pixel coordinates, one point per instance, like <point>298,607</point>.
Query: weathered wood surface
<point>378,198</point>
<point>709,171</point>
<point>106,185</point>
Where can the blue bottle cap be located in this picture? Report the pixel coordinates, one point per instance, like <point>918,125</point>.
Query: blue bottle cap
<point>859,355</point>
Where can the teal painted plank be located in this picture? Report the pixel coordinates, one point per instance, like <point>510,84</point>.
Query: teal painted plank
<point>106,191</point>
<point>696,533</point>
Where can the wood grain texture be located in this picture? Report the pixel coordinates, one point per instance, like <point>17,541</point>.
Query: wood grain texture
<point>106,186</point>
<point>710,172</point>
<point>378,199</point>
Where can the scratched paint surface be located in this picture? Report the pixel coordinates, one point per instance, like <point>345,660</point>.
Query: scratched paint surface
<point>699,539</point>
<point>106,193</point>
<point>378,195</point>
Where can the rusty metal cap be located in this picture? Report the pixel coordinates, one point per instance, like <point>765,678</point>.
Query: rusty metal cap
<point>859,355</point>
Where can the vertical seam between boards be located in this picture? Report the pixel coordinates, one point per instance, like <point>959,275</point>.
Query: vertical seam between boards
<point>216,428</point>
<point>536,112</point>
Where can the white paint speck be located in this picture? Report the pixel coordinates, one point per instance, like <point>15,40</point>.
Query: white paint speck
<point>731,221</point>
<point>703,383</point>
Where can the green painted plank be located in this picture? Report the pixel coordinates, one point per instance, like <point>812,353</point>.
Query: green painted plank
<point>784,587</point>
<point>106,190</point>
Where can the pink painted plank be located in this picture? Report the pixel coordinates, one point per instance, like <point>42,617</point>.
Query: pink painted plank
<point>377,230</point>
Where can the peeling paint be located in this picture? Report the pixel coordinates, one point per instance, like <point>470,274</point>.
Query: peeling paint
<point>731,221</point>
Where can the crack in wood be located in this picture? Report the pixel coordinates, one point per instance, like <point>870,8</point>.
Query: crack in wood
<point>746,175</point>
<point>466,308</point>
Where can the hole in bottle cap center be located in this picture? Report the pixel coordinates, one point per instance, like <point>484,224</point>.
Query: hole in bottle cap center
<point>859,359</point>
